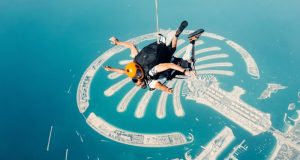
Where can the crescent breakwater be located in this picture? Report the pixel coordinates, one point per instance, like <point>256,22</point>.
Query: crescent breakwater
<point>133,138</point>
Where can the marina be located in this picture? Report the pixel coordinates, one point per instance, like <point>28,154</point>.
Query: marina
<point>217,145</point>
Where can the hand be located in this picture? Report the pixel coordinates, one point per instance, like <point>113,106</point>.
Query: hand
<point>113,40</point>
<point>170,91</point>
<point>107,68</point>
<point>190,73</point>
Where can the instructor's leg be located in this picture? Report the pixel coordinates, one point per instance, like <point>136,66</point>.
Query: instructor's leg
<point>189,53</point>
<point>181,27</point>
<point>174,42</point>
<point>190,49</point>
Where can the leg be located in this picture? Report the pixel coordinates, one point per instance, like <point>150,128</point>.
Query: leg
<point>129,45</point>
<point>174,42</point>
<point>165,66</point>
<point>189,53</point>
<point>190,50</point>
<point>171,40</point>
<point>182,26</point>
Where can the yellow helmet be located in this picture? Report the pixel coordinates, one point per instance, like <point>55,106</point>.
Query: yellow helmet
<point>134,70</point>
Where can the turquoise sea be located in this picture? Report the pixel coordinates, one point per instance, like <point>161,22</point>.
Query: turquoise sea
<point>46,46</point>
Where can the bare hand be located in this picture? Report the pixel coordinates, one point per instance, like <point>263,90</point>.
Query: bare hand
<point>191,73</point>
<point>107,68</point>
<point>113,40</point>
<point>170,91</point>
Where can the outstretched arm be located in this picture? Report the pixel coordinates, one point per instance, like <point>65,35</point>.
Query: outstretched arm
<point>120,71</point>
<point>164,88</point>
<point>129,45</point>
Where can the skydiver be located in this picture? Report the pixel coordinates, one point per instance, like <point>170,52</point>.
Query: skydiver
<point>156,60</point>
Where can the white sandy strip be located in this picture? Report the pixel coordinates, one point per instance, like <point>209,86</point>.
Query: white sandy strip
<point>214,56</point>
<point>162,102</point>
<point>66,156</point>
<point>49,138</point>
<point>176,99</point>
<point>126,99</point>
<point>140,139</point>
<point>116,87</point>
<point>211,65</point>
<point>219,72</point>
<point>114,75</point>
<point>182,50</point>
<point>124,62</point>
<point>141,108</point>
<point>277,147</point>
<point>252,68</point>
<point>212,35</point>
<point>207,50</point>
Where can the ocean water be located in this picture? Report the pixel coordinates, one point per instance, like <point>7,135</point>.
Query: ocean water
<point>46,46</point>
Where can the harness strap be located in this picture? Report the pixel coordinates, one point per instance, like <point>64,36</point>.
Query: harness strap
<point>157,30</point>
<point>193,58</point>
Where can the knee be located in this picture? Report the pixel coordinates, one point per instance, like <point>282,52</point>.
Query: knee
<point>131,45</point>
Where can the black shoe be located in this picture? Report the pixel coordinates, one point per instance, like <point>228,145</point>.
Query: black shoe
<point>182,26</point>
<point>196,33</point>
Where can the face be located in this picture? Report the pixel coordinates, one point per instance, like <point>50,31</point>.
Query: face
<point>141,84</point>
<point>139,74</point>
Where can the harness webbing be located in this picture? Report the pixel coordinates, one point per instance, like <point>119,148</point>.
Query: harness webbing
<point>193,58</point>
<point>157,29</point>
